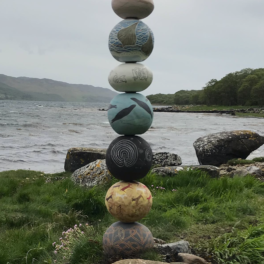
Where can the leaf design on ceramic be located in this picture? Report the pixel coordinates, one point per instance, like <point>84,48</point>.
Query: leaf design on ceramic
<point>127,36</point>
<point>147,48</point>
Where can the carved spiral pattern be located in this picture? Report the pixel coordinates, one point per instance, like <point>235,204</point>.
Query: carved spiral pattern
<point>148,154</point>
<point>124,153</point>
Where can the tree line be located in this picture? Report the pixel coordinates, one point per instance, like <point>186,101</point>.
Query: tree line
<point>245,87</point>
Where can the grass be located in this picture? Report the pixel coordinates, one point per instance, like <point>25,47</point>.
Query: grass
<point>249,114</point>
<point>191,206</point>
<point>244,247</point>
<point>226,108</point>
<point>219,107</point>
<point>234,162</point>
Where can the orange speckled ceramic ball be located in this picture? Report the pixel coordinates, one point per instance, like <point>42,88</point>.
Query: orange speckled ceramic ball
<point>128,201</point>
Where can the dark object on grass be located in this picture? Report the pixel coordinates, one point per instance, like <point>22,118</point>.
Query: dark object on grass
<point>218,148</point>
<point>129,158</point>
<point>126,240</point>
<point>79,157</point>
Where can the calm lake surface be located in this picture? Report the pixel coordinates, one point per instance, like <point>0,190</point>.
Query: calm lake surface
<point>37,135</point>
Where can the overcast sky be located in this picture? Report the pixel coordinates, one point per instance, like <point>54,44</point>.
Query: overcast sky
<point>67,40</point>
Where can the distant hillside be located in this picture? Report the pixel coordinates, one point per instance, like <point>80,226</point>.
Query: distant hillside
<point>245,87</point>
<point>23,88</point>
<point>161,99</point>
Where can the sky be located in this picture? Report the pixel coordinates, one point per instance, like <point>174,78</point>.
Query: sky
<point>67,40</point>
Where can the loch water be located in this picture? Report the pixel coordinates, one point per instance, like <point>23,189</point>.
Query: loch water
<point>37,135</point>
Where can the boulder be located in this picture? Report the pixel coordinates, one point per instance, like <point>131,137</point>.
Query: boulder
<point>212,171</point>
<point>175,248</point>
<point>76,158</point>
<point>166,159</point>
<point>191,259</point>
<point>218,148</point>
<point>252,170</point>
<point>166,171</point>
<point>171,250</point>
<point>93,174</point>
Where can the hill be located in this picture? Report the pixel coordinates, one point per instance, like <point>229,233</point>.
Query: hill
<point>24,88</point>
<point>245,87</point>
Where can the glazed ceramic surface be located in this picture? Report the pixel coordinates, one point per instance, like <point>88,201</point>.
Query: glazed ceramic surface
<point>130,114</point>
<point>133,8</point>
<point>130,77</point>
<point>129,158</point>
<point>122,239</point>
<point>131,40</point>
<point>128,201</point>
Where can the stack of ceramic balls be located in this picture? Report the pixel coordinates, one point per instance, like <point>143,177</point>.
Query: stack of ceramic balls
<point>129,157</point>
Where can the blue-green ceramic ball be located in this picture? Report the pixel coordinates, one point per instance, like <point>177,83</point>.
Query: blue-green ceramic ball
<point>130,114</point>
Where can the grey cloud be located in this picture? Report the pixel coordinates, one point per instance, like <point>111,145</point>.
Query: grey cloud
<point>195,41</point>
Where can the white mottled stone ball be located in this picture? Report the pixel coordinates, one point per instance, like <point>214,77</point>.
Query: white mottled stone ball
<point>133,8</point>
<point>130,77</point>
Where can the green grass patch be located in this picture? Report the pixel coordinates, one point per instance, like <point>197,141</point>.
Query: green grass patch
<point>234,162</point>
<point>34,213</point>
<point>259,159</point>
<point>244,247</point>
<point>218,107</point>
<point>260,115</point>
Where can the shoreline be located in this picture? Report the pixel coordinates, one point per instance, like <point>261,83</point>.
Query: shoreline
<point>250,112</point>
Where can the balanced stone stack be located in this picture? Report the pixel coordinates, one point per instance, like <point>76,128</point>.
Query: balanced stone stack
<point>129,157</point>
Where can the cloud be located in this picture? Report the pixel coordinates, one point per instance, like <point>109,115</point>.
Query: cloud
<point>195,41</point>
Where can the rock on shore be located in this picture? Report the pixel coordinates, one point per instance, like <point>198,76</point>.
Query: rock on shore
<point>166,159</point>
<point>93,174</point>
<point>212,171</point>
<point>218,148</point>
<point>76,158</point>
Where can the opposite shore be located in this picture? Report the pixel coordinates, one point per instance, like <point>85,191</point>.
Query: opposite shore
<point>240,111</point>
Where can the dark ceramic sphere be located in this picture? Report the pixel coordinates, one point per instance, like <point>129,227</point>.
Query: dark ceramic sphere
<point>126,240</point>
<point>129,158</point>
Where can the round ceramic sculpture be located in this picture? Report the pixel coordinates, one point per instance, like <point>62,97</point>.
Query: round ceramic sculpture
<point>128,201</point>
<point>133,8</point>
<point>130,114</point>
<point>130,77</point>
<point>131,40</point>
<point>129,158</point>
<point>125,240</point>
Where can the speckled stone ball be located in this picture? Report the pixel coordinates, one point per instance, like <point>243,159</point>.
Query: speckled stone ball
<point>133,8</point>
<point>130,114</point>
<point>129,158</point>
<point>130,77</point>
<point>125,240</point>
<point>131,40</point>
<point>128,201</point>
